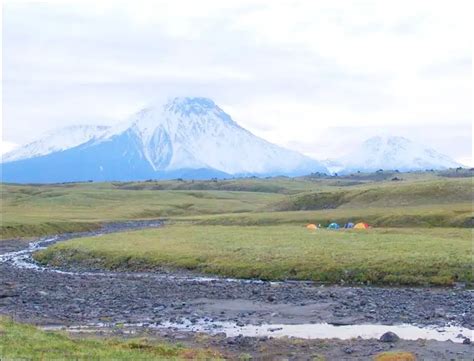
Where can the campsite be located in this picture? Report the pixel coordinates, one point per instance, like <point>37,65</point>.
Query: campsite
<point>211,233</point>
<point>334,225</point>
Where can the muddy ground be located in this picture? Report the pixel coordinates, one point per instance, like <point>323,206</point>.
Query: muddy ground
<point>77,298</point>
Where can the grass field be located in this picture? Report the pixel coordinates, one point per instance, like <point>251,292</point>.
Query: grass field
<point>417,256</point>
<point>40,210</point>
<point>382,194</point>
<point>420,200</point>
<point>24,342</point>
<point>255,227</point>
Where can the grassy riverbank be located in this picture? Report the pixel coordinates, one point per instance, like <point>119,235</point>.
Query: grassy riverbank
<point>415,256</point>
<point>24,342</point>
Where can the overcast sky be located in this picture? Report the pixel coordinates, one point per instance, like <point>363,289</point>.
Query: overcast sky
<point>314,76</point>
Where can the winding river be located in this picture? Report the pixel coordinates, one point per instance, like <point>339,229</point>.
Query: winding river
<point>91,300</point>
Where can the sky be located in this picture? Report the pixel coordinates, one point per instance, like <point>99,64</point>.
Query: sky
<point>318,77</point>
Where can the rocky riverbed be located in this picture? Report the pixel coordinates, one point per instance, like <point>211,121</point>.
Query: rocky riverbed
<point>79,297</point>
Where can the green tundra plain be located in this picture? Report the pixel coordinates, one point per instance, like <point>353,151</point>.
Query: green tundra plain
<point>255,228</point>
<point>251,228</point>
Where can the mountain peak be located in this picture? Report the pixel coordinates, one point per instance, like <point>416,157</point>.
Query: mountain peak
<point>190,105</point>
<point>386,141</point>
<point>393,152</point>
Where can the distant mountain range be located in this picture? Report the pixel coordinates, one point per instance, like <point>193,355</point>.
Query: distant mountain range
<point>188,138</point>
<point>390,153</point>
<point>192,138</point>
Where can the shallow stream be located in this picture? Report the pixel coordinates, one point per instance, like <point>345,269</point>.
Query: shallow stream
<point>23,259</point>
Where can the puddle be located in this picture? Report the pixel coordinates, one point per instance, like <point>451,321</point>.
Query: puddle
<point>327,331</point>
<point>324,331</point>
<point>306,331</point>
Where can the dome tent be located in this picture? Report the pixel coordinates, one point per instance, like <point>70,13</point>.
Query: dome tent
<point>333,226</point>
<point>361,225</point>
<point>311,226</point>
<point>349,225</point>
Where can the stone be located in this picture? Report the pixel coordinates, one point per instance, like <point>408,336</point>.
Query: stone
<point>348,350</point>
<point>439,312</point>
<point>273,329</point>
<point>389,337</point>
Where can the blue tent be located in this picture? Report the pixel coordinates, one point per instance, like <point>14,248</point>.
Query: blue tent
<point>349,225</point>
<point>333,226</point>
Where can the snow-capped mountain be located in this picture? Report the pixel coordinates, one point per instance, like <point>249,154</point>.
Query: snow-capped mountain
<point>55,141</point>
<point>186,137</point>
<point>390,153</point>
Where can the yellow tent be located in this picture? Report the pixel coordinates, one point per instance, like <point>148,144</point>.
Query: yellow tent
<point>361,225</point>
<point>311,226</point>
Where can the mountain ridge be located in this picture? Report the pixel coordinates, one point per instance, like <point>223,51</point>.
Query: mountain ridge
<point>390,153</point>
<point>184,137</point>
<point>55,141</point>
<point>192,138</point>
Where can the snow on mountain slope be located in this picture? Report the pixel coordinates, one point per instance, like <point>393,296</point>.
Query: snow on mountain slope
<point>186,137</point>
<point>55,141</point>
<point>333,165</point>
<point>196,133</point>
<point>390,153</point>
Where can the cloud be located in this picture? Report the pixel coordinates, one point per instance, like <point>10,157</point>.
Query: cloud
<point>286,70</point>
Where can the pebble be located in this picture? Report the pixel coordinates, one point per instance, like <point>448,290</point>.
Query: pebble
<point>389,337</point>
<point>348,350</point>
